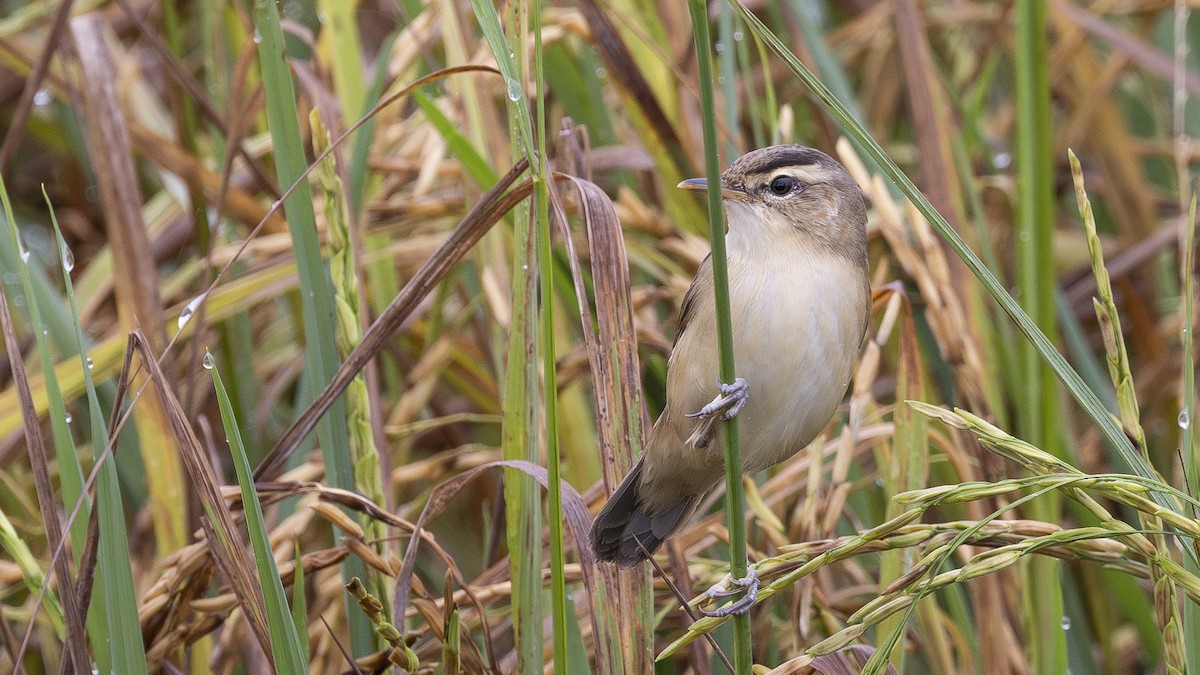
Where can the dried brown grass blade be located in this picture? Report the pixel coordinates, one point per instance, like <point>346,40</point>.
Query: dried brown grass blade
<point>229,551</point>
<point>75,644</point>
<point>575,513</point>
<point>135,279</point>
<point>273,491</point>
<point>135,284</point>
<point>929,108</point>
<point>620,414</point>
<point>494,204</point>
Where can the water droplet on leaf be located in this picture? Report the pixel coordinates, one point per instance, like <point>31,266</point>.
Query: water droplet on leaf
<point>190,309</point>
<point>515,90</point>
<point>209,361</point>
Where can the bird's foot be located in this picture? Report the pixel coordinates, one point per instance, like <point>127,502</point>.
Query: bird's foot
<point>725,406</point>
<point>748,583</point>
<point>730,401</point>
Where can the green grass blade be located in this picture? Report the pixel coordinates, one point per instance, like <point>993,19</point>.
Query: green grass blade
<point>285,640</point>
<point>300,602</point>
<point>519,433</point>
<point>70,473</point>
<point>316,290</point>
<point>474,164</point>
<point>339,33</point>
<point>32,575</point>
<point>1191,611</point>
<point>735,501</point>
<point>1038,403</point>
<point>558,584</point>
<point>113,621</point>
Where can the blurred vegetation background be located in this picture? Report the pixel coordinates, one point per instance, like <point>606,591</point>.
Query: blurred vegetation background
<point>463,214</point>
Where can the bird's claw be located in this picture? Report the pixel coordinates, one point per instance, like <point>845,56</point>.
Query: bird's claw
<point>725,406</point>
<point>748,583</point>
<point>731,400</point>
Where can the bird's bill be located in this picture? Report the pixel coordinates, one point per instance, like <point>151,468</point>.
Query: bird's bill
<point>701,184</point>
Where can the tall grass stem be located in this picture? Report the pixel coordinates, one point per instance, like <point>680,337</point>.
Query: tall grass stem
<point>735,503</point>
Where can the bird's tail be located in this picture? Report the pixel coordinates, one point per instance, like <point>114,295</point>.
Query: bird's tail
<point>625,533</point>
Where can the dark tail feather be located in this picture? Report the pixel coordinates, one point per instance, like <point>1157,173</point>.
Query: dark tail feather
<point>623,523</point>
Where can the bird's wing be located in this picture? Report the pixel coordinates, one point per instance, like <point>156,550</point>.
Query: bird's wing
<point>703,280</point>
<point>692,368</point>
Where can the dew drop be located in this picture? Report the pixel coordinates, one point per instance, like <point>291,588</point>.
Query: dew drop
<point>257,37</point>
<point>190,309</point>
<point>42,97</point>
<point>515,90</point>
<point>45,330</point>
<point>720,47</point>
<point>90,363</point>
<point>1066,623</point>
<point>737,36</point>
<point>68,258</point>
<point>68,419</point>
<point>1002,160</point>
<point>22,249</point>
<point>209,361</point>
<point>1185,419</point>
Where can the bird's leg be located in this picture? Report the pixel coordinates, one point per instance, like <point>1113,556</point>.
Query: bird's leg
<point>748,583</point>
<point>730,401</point>
<point>725,406</point>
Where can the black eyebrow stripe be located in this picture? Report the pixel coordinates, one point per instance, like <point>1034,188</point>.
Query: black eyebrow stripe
<point>793,157</point>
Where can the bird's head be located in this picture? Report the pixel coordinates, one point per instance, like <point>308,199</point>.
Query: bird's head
<point>793,189</point>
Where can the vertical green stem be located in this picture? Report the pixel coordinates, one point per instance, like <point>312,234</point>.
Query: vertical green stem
<point>1035,270</point>
<point>1188,448</point>
<point>316,290</point>
<point>735,505</point>
<point>727,45</point>
<point>558,588</point>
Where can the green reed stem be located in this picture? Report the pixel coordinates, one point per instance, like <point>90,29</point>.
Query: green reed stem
<point>735,503</point>
<point>558,582</point>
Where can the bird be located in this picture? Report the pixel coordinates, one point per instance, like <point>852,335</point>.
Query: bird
<point>800,300</point>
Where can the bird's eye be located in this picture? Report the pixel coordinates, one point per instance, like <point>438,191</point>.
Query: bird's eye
<point>782,184</point>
